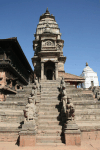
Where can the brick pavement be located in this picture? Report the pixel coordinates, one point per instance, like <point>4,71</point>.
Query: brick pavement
<point>85,145</point>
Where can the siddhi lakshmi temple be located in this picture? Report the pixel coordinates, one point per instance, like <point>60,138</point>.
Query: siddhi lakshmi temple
<point>44,107</point>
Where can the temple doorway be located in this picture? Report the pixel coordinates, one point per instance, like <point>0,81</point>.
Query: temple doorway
<point>49,74</point>
<point>49,70</point>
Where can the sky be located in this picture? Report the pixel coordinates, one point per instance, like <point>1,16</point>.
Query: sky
<point>78,20</point>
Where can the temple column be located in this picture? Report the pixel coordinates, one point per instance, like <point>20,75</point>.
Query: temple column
<point>56,70</point>
<point>42,70</point>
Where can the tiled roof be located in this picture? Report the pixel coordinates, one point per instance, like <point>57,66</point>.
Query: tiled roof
<point>71,77</point>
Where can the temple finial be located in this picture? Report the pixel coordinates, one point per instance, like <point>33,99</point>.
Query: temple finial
<point>47,11</point>
<point>86,64</point>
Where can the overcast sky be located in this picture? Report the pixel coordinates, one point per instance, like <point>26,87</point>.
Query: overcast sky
<point>78,20</point>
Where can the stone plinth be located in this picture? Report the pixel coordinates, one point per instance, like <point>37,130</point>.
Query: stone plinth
<point>27,134</point>
<point>27,138</point>
<point>72,134</point>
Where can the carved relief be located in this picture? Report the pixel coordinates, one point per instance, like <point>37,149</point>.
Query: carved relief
<point>59,47</point>
<point>47,43</point>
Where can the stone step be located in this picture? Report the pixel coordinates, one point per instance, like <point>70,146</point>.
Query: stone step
<point>51,117</point>
<point>8,125</point>
<point>20,99</point>
<point>13,105</point>
<point>11,117</point>
<point>19,103</point>
<point>51,95</point>
<point>50,92</point>
<point>55,86</point>
<point>50,81</point>
<point>82,102</point>
<point>81,95</point>
<point>87,111</point>
<point>75,99</point>
<point>87,117</point>
<point>86,106</point>
<point>44,112</point>
<point>16,98</point>
<point>49,139</point>
<point>49,108</point>
<point>49,123</point>
<point>50,144</point>
<point>11,112</point>
<point>18,95</point>
<point>49,89</point>
<point>56,132</point>
<point>50,101</point>
<point>49,98</point>
<point>73,90</point>
<point>84,98</point>
<point>49,127</point>
<point>48,111</point>
<point>88,124</point>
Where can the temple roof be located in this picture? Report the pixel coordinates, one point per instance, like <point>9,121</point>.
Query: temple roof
<point>18,50</point>
<point>71,77</point>
<point>48,24</point>
<point>46,15</point>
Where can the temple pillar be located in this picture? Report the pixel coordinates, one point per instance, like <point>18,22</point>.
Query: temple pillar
<point>56,70</point>
<point>42,70</point>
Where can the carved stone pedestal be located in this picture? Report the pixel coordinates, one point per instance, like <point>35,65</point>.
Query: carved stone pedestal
<point>27,139</point>
<point>28,135</point>
<point>72,134</point>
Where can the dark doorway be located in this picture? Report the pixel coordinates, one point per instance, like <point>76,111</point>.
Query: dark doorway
<point>49,74</point>
<point>92,83</point>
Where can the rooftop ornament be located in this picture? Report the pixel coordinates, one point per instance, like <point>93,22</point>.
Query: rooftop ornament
<point>86,64</point>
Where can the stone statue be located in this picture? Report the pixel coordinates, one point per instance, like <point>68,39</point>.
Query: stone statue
<point>63,82</point>
<point>64,99</point>
<point>63,94</point>
<point>98,94</point>
<point>70,110</point>
<point>34,91</point>
<point>30,111</point>
<point>62,85</point>
<point>36,83</point>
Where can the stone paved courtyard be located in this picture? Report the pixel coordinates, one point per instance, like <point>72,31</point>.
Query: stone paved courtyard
<point>86,145</point>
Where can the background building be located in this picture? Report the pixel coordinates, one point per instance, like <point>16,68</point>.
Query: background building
<point>91,78</point>
<point>15,71</point>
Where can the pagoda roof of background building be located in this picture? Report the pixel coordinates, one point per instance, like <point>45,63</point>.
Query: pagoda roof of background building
<point>18,50</point>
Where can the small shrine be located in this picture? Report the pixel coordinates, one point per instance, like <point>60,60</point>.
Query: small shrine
<point>91,78</point>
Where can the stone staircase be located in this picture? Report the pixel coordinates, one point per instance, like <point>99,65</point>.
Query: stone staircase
<point>11,112</point>
<point>49,121</point>
<point>87,110</point>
